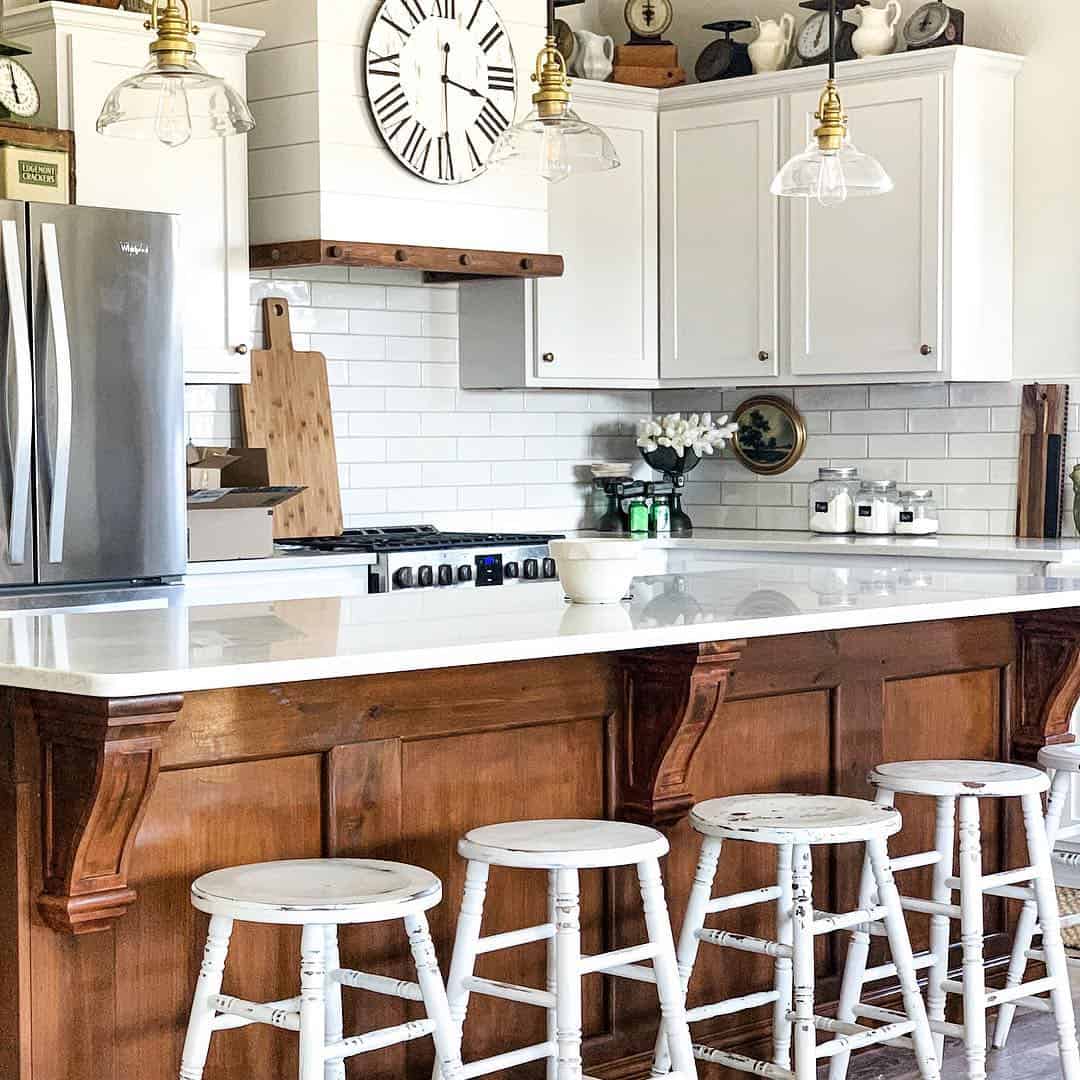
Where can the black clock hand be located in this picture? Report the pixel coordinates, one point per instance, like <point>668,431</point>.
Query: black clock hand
<point>447,81</point>
<point>445,88</point>
<point>14,84</point>
<point>820,31</point>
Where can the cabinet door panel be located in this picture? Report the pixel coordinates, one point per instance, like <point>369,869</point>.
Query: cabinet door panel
<point>866,284</point>
<point>718,226</point>
<point>205,181</point>
<point>598,321</point>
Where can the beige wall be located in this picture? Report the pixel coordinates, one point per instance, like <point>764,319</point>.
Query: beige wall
<point>1047,148</point>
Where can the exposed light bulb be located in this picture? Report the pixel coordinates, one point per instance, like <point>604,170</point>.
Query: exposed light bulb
<point>831,184</point>
<point>554,166</point>
<point>172,123</point>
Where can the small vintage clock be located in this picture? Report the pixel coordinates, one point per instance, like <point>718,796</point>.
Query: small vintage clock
<point>724,58</point>
<point>648,20</point>
<point>19,95</point>
<point>934,25</point>
<point>441,84</point>
<point>812,43</point>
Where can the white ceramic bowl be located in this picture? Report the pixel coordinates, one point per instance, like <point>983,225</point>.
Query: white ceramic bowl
<point>595,571</point>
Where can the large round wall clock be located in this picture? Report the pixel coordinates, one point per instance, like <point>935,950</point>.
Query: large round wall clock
<point>441,84</point>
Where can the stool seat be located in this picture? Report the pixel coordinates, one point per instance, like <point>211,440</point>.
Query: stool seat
<point>324,891</point>
<point>984,779</point>
<point>562,842</point>
<point>1066,757</point>
<point>794,819</point>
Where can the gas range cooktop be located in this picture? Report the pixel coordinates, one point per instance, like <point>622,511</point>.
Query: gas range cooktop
<point>421,556</point>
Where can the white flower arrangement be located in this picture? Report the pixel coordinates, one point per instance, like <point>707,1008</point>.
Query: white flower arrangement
<point>701,434</point>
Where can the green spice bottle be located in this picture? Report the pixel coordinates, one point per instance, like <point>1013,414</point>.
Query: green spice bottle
<point>639,516</point>
<point>660,516</point>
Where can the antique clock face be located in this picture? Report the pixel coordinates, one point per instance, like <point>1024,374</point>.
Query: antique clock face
<point>441,84</point>
<point>648,18</point>
<point>934,24</point>
<point>812,44</point>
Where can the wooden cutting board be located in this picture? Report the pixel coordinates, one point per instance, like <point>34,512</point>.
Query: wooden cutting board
<point>1044,413</point>
<point>286,408</point>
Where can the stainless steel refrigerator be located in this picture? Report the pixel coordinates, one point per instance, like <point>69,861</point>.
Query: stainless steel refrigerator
<point>92,417</point>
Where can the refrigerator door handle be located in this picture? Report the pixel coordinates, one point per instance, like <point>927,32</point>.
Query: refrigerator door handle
<point>24,393</point>
<point>54,288</point>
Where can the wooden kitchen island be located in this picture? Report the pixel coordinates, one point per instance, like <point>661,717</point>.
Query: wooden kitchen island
<point>156,745</point>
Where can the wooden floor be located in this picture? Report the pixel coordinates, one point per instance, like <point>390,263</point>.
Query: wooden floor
<point>1030,1055</point>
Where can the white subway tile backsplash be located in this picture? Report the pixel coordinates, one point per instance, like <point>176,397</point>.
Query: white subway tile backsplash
<point>454,473</point>
<point>425,399</point>
<point>907,446</point>
<point>492,449</point>
<point>386,323</point>
<point>831,397</point>
<point>452,423</point>
<point>937,472</point>
<point>983,394</point>
<point>908,397</point>
<point>868,422</point>
<point>948,420</point>
<point>1003,445</point>
<point>492,497</point>
<point>347,296</point>
<point>522,423</point>
<point>413,299</point>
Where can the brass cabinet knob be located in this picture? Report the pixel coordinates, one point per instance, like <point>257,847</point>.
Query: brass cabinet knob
<point>926,350</point>
<point>548,358</point>
<point>241,349</point>
<point>763,356</point>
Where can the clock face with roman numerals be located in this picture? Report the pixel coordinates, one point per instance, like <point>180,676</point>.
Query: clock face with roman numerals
<point>440,84</point>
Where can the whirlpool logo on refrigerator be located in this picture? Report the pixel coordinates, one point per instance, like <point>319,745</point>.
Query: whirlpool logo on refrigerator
<point>134,248</point>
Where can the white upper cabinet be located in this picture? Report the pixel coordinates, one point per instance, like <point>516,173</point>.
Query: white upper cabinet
<point>597,324</point>
<point>865,278</point>
<point>80,54</point>
<point>719,241</point>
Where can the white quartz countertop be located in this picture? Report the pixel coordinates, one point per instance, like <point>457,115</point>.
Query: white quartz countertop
<point>1004,548</point>
<point>197,639</point>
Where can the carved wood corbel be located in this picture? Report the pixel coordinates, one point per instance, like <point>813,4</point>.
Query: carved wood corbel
<point>1048,680</point>
<point>99,763</point>
<point>670,697</point>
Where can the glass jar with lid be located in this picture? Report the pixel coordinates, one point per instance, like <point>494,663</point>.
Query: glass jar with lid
<point>917,513</point>
<point>876,507</point>
<point>832,500</point>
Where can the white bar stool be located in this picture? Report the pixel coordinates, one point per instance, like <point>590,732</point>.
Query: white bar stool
<point>563,848</point>
<point>958,786</point>
<point>1062,763</point>
<point>794,824</point>
<point>320,895</point>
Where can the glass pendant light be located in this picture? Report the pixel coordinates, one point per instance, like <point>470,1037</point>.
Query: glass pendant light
<point>553,141</point>
<point>831,169</point>
<point>174,98</point>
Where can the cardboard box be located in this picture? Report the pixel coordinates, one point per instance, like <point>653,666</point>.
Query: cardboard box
<point>219,467</point>
<point>233,523</point>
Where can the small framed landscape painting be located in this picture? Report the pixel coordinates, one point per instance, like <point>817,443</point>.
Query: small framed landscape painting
<point>771,435</point>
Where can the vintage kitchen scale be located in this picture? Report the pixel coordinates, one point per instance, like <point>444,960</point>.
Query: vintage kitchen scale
<point>934,25</point>
<point>812,42</point>
<point>36,164</point>
<point>648,58</point>
<point>725,58</point>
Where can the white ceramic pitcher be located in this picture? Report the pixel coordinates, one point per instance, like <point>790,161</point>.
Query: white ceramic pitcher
<point>876,35</point>
<point>594,55</point>
<point>771,49</point>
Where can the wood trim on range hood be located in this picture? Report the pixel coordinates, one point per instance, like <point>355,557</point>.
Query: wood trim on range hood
<point>441,264</point>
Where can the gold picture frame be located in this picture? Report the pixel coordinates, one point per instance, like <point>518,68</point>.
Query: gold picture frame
<point>775,435</point>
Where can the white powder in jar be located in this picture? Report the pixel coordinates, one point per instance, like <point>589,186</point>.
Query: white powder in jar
<point>835,516</point>
<point>920,526</point>
<point>875,517</point>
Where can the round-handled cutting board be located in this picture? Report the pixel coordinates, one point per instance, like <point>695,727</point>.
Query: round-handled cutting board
<point>286,408</point>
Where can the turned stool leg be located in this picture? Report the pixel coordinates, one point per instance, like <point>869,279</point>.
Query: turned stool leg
<point>941,925</point>
<point>1049,921</point>
<point>463,959</point>
<point>447,1040</point>
<point>697,909</point>
<point>551,1064</point>
<point>858,953</point>
<point>312,1003</point>
<point>802,945</point>
<point>669,986</point>
<point>903,958</point>
<point>197,1042</point>
<point>782,978</point>
<point>567,974</point>
<point>335,1070</point>
<point>1028,922</point>
<point>971,936</point>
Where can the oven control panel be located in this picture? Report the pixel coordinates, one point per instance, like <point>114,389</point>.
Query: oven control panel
<point>456,568</point>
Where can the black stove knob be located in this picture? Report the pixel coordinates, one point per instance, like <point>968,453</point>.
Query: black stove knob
<point>532,569</point>
<point>464,573</point>
<point>425,577</point>
<point>549,569</point>
<point>446,574</point>
<point>403,578</point>
<point>510,570</point>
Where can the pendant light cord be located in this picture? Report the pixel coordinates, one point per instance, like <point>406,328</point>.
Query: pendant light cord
<point>832,37</point>
<point>551,17</point>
